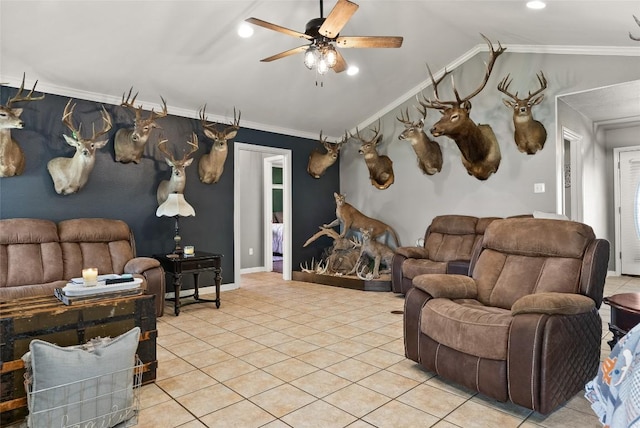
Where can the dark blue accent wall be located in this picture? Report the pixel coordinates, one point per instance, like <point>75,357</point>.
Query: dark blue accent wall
<point>128,191</point>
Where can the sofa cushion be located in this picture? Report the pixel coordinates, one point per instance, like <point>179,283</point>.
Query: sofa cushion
<point>468,326</point>
<point>32,240</point>
<point>94,242</point>
<point>415,267</point>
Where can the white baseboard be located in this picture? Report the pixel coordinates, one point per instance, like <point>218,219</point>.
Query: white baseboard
<point>253,270</point>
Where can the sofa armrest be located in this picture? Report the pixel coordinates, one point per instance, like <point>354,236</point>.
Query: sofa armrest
<point>154,274</point>
<point>140,264</point>
<point>458,267</point>
<point>442,285</point>
<point>413,252</point>
<point>553,304</point>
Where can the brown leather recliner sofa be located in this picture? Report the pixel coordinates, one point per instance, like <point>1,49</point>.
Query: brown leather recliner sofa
<point>524,327</point>
<point>448,244</point>
<point>37,255</point>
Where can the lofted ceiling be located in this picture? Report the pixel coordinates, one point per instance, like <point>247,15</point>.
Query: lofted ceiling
<point>189,52</point>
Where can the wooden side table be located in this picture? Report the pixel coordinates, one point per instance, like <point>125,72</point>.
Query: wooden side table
<point>625,314</point>
<point>179,264</point>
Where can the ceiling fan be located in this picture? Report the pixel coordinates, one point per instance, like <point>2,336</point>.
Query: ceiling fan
<point>322,33</point>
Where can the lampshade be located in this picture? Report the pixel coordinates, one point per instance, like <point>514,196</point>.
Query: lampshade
<point>175,205</point>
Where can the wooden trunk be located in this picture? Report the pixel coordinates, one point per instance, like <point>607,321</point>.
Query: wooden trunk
<point>46,318</point>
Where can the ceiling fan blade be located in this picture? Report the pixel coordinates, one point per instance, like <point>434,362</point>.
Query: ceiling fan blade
<point>338,18</point>
<point>369,42</point>
<point>293,51</point>
<point>278,28</point>
<point>341,64</point>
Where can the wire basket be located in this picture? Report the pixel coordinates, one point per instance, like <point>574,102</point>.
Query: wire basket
<point>108,400</point>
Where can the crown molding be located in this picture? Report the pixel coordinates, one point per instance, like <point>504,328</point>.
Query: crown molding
<point>537,49</point>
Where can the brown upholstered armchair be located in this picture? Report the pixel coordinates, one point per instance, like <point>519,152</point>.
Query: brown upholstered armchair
<point>448,243</point>
<point>524,327</point>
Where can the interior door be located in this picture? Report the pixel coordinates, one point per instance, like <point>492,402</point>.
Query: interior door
<point>629,170</point>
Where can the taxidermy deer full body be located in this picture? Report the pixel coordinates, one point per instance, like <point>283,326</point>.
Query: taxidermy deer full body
<point>378,251</point>
<point>319,161</point>
<point>351,218</point>
<point>69,175</point>
<point>211,165</point>
<point>129,142</point>
<point>178,178</point>
<point>380,166</point>
<point>427,151</point>
<point>477,143</point>
<point>11,155</point>
<point>529,134</point>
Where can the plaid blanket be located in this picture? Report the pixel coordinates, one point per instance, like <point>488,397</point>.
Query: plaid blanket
<point>615,392</point>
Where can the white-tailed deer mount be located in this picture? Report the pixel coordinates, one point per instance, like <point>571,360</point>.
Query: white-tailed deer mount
<point>477,143</point>
<point>178,178</point>
<point>637,39</point>
<point>319,161</point>
<point>380,166</point>
<point>427,151</point>
<point>351,218</point>
<point>69,175</point>
<point>377,251</point>
<point>11,155</point>
<point>211,165</point>
<point>129,142</point>
<point>529,134</point>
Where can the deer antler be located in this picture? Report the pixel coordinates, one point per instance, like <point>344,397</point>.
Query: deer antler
<point>153,115</point>
<point>131,103</point>
<point>440,104</point>
<point>324,231</point>
<point>375,130</point>
<point>18,96</point>
<point>106,125</point>
<point>235,125</point>
<point>504,87</point>
<point>67,119</point>
<point>543,84</point>
<point>637,39</point>
<point>194,146</point>
<point>162,147</point>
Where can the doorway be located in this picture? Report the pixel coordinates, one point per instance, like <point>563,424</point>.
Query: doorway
<point>284,156</point>
<point>572,175</point>
<point>627,216</point>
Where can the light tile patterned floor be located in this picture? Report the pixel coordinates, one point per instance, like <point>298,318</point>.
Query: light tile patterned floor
<point>295,354</point>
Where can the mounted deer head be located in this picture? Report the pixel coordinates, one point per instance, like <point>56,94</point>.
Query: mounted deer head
<point>380,166</point>
<point>631,35</point>
<point>71,174</point>
<point>211,165</point>
<point>11,155</point>
<point>129,142</point>
<point>319,162</point>
<point>178,178</point>
<point>529,134</point>
<point>427,151</point>
<point>477,143</point>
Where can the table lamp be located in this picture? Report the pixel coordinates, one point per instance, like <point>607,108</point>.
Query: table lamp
<point>176,206</point>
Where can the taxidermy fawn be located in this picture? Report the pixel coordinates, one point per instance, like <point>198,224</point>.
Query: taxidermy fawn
<point>529,134</point>
<point>351,218</point>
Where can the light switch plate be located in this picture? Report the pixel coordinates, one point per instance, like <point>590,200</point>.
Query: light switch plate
<point>538,188</point>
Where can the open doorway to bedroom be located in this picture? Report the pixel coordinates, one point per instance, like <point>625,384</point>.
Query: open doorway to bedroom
<point>257,201</point>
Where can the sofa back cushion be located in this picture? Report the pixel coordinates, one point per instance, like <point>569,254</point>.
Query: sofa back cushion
<point>29,252</point>
<point>523,256</point>
<point>451,237</point>
<point>95,242</point>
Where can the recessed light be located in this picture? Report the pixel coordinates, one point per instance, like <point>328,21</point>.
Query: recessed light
<point>245,30</point>
<point>536,4</point>
<point>353,70</point>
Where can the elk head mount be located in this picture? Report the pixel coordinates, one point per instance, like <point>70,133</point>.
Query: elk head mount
<point>529,134</point>
<point>178,178</point>
<point>427,151</point>
<point>211,165</point>
<point>380,166</point>
<point>477,143</point>
<point>11,155</point>
<point>129,142</point>
<point>319,162</point>
<point>69,175</point>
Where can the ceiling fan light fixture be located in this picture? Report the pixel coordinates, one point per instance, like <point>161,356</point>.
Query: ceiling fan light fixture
<point>322,66</point>
<point>331,56</point>
<point>310,57</point>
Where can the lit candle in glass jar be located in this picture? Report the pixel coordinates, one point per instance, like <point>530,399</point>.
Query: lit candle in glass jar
<point>90,277</point>
<point>189,250</point>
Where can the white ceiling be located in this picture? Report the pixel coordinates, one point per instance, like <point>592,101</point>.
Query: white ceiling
<point>189,52</point>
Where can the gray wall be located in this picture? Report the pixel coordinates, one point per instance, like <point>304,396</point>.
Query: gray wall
<point>251,209</point>
<point>414,199</point>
